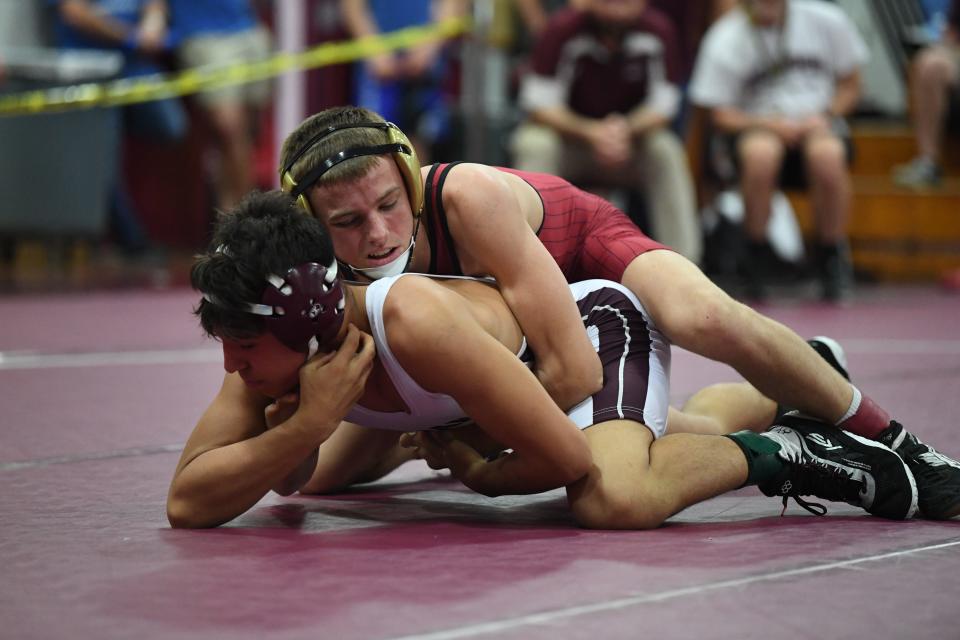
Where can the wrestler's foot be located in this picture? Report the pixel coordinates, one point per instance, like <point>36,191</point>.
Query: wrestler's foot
<point>832,464</point>
<point>831,351</point>
<point>937,475</point>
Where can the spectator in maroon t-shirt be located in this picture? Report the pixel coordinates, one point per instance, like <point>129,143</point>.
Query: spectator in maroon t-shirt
<point>691,18</point>
<point>601,93</point>
<point>934,73</point>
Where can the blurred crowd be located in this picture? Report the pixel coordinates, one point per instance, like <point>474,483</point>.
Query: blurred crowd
<point>693,116</point>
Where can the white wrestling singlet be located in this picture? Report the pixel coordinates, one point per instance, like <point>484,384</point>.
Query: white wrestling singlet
<point>634,354</point>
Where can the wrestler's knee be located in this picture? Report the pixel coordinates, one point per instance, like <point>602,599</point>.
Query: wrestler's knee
<point>688,309</point>
<point>618,492</point>
<point>613,510</point>
<point>706,316</point>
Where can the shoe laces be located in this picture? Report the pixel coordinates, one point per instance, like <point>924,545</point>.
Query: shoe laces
<point>815,508</point>
<point>823,481</point>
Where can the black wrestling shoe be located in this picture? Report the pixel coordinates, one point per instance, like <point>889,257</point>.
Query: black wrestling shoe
<point>832,464</point>
<point>831,351</point>
<point>937,475</point>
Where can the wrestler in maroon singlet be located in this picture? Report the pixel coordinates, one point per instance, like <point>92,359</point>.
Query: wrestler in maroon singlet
<point>585,234</point>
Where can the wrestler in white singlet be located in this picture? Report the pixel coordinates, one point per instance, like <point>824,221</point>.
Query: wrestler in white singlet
<point>634,354</point>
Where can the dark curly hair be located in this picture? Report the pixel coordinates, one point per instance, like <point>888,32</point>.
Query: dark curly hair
<point>267,233</point>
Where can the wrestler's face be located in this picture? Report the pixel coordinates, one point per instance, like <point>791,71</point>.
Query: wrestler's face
<point>369,219</point>
<point>265,364</point>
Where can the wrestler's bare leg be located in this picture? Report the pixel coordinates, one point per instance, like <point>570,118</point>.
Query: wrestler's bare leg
<point>637,483</point>
<point>723,408</point>
<point>698,316</point>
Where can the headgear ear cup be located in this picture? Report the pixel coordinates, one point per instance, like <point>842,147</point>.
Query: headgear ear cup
<point>409,166</point>
<point>399,147</point>
<point>288,184</point>
<point>306,304</point>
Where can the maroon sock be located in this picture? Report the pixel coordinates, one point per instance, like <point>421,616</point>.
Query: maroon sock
<point>868,419</point>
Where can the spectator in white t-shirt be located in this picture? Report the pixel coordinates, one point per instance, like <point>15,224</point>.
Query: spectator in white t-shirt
<point>777,77</point>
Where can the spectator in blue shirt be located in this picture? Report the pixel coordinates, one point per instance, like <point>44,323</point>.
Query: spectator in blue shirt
<point>224,32</point>
<point>137,28</point>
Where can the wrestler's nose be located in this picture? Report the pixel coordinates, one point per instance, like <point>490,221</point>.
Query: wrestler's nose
<point>233,359</point>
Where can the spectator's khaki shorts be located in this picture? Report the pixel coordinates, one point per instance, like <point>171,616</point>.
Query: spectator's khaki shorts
<point>225,49</point>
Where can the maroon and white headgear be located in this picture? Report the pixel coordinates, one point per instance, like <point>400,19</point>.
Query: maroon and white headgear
<point>303,309</point>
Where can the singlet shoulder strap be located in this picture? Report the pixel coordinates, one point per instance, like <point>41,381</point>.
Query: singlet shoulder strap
<point>443,251</point>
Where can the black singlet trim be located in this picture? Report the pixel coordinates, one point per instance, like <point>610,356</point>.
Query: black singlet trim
<point>442,217</point>
<point>428,209</point>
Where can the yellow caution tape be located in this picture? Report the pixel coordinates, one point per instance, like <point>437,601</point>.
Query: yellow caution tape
<point>159,86</point>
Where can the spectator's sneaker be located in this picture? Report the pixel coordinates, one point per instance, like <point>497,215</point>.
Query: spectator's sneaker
<point>831,464</point>
<point>835,272</point>
<point>919,173</point>
<point>937,475</point>
<point>753,266</point>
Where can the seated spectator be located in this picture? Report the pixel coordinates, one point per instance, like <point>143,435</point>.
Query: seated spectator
<point>137,28</point>
<point>690,21</point>
<point>601,95</point>
<point>535,14</point>
<point>934,74</point>
<point>407,87</point>
<point>223,32</point>
<point>778,77</point>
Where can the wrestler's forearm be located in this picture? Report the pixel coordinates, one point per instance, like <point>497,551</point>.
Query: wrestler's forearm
<point>512,474</point>
<point>222,483</point>
<point>295,480</point>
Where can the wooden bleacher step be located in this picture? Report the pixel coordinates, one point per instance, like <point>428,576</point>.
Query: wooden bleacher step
<point>896,233</point>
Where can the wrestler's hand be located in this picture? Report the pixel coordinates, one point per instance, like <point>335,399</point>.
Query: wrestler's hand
<point>276,413</point>
<point>425,448</point>
<point>467,465</point>
<point>280,410</point>
<point>443,450</point>
<point>331,383</point>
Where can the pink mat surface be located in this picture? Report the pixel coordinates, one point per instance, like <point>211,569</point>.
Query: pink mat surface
<point>99,393</point>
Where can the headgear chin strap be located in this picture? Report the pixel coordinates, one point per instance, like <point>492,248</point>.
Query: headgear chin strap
<point>393,268</point>
<point>396,266</point>
<point>304,308</point>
